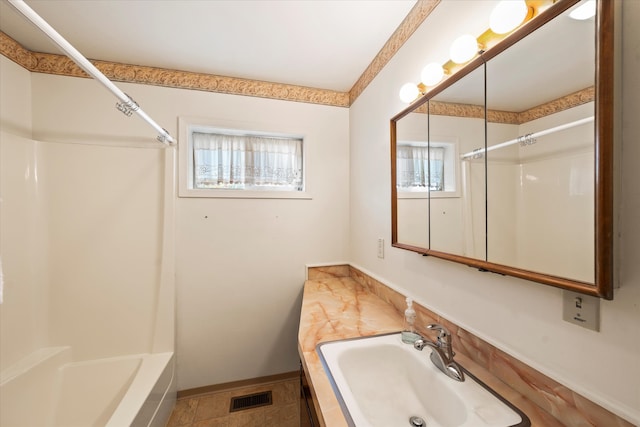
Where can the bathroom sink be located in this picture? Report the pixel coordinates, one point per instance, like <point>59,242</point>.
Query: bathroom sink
<point>382,382</point>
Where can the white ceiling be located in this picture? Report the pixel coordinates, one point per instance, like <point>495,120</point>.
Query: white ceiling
<point>324,44</point>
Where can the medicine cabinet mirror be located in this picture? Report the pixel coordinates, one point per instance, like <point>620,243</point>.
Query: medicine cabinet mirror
<point>519,148</point>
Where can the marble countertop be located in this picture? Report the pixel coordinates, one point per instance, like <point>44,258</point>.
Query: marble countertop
<point>339,307</point>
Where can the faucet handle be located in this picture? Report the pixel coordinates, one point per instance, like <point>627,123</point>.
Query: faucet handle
<point>442,331</point>
<point>444,337</point>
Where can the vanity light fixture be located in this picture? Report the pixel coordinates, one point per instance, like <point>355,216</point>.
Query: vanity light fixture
<point>463,49</point>
<point>432,74</point>
<point>409,92</point>
<point>508,15</point>
<point>584,11</point>
<point>505,18</point>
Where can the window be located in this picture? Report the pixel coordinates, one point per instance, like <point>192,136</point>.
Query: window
<point>219,161</point>
<point>246,162</point>
<point>421,169</point>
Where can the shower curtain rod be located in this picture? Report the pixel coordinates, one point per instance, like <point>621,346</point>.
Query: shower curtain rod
<point>126,105</point>
<point>526,138</point>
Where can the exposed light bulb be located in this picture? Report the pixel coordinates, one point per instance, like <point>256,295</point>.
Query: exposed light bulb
<point>409,92</point>
<point>584,11</point>
<point>507,15</point>
<point>432,74</point>
<point>463,49</point>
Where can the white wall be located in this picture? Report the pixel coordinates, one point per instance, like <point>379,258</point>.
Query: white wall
<point>600,365</point>
<point>239,263</point>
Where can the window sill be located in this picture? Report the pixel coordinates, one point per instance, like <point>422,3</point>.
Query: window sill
<point>425,194</point>
<point>243,194</point>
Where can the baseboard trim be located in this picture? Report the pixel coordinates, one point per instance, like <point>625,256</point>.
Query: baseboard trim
<point>216,388</point>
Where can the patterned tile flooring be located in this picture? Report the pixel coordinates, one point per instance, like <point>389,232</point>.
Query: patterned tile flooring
<point>212,409</point>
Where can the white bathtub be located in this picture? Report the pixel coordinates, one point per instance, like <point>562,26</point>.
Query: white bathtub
<point>49,389</point>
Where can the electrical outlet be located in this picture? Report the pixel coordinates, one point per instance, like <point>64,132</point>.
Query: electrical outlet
<point>380,247</point>
<point>583,310</point>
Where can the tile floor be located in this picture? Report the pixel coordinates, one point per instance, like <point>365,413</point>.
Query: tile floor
<point>212,409</point>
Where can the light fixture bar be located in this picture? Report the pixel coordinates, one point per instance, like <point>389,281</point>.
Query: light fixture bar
<point>466,47</point>
<point>126,104</point>
<point>480,151</point>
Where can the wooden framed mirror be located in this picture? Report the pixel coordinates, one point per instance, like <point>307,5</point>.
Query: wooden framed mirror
<point>528,190</point>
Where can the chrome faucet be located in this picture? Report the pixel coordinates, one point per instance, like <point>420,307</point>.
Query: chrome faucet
<point>442,353</point>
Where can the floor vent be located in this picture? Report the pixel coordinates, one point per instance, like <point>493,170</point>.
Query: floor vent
<point>249,401</point>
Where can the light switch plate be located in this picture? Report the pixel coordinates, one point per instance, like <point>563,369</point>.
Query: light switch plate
<point>380,247</point>
<point>583,310</point>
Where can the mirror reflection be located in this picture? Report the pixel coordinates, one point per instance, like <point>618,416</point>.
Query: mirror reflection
<point>412,182</point>
<point>521,185</point>
<point>456,125</point>
<point>541,173</point>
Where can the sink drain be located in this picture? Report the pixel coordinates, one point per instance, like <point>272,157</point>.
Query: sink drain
<point>417,422</point>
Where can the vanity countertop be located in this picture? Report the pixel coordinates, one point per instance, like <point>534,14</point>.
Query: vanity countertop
<point>339,307</point>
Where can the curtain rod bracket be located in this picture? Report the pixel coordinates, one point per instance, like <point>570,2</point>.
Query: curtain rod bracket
<point>527,139</point>
<point>128,107</point>
<point>478,153</point>
<point>164,137</point>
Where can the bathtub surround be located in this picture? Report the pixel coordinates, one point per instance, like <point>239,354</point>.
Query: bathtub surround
<point>93,341</point>
<point>87,322</point>
<point>344,302</point>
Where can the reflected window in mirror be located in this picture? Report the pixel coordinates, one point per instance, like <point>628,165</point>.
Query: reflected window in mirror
<point>424,167</point>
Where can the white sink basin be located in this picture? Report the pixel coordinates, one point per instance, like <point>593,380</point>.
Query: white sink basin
<point>382,382</point>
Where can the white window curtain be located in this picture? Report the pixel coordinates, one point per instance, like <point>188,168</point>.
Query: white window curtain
<point>247,162</point>
<point>413,165</point>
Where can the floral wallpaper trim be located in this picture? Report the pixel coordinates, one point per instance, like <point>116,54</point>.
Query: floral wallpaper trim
<point>61,65</point>
<point>507,117</point>
<point>12,50</point>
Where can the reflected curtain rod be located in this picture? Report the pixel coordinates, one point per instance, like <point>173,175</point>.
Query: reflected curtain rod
<point>126,105</point>
<point>526,138</point>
